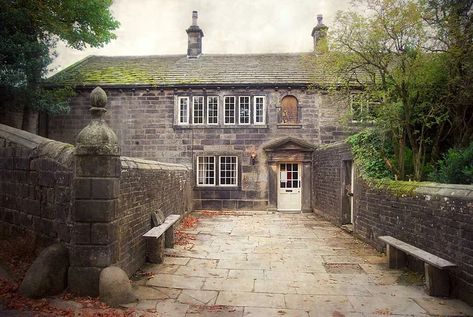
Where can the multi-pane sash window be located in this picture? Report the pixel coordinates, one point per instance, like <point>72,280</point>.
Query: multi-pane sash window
<point>206,171</point>
<point>363,108</point>
<point>217,171</point>
<point>212,110</point>
<point>198,110</point>
<point>183,110</point>
<point>228,171</point>
<point>229,110</point>
<point>259,111</point>
<point>244,114</point>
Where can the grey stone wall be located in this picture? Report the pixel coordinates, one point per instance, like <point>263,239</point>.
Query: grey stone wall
<point>326,186</point>
<point>144,121</point>
<point>435,217</point>
<point>36,186</point>
<point>145,187</point>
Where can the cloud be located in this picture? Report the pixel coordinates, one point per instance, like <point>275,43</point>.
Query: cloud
<point>154,27</point>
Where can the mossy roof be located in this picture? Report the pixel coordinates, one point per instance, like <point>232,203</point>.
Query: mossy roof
<point>178,70</point>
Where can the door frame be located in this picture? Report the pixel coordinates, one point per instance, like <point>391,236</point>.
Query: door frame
<point>289,150</point>
<point>299,172</point>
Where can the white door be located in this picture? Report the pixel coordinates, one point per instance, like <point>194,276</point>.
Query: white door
<point>289,188</point>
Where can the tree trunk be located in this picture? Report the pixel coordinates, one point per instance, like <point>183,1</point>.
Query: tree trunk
<point>30,120</point>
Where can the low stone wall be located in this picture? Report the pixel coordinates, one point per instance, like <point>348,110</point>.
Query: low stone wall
<point>435,217</point>
<point>36,184</point>
<point>145,187</point>
<point>326,186</point>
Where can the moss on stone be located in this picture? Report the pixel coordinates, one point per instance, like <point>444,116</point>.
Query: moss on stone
<point>398,188</point>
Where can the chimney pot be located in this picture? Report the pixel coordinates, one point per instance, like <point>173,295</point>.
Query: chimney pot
<point>194,18</point>
<point>319,33</point>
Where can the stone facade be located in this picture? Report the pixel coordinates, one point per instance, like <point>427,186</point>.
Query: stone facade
<point>435,217</point>
<point>146,125</point>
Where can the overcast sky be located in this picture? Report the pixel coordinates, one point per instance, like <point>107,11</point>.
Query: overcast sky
<point>154,27</point>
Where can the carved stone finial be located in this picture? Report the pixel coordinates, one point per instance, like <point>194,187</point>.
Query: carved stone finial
<point>98,101</point>
<point>97,138</point>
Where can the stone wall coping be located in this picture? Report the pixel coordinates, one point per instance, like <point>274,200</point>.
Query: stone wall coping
<point>137,163</point>
<point>21,137</point>
<point>63,153</point>
<point>446,190</point>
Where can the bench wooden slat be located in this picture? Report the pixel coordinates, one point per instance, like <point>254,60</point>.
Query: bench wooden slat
<point>418,253</point>
<point>156,232</point>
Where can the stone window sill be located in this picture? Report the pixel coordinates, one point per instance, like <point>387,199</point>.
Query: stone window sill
<point>289,126</point>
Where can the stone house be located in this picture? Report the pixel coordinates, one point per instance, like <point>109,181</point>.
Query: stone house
<point>246,124</point>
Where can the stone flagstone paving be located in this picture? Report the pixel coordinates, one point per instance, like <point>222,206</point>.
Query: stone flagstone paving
<point>274,264</point>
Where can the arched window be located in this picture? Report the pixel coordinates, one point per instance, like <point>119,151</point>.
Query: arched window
<point>288,113</point>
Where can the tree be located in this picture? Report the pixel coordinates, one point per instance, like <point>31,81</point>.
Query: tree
<point>387,52</point>
<point>29,31</point>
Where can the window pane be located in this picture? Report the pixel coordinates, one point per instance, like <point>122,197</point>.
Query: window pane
<point>259,110</point>
<point>198,110</point>
<point>228,171</point>
<point>183,110</point>
<point>205,170</point>
<point>229,110</point>
<point>244,115</point>
<point>212,110</point>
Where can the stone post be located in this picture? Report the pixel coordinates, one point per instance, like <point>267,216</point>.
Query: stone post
<point>96,186</point>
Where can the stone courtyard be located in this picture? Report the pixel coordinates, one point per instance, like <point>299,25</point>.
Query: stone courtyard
<point>278,264</point>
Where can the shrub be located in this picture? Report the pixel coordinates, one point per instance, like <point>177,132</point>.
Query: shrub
<point>456,167</point>
<point>370,152</point>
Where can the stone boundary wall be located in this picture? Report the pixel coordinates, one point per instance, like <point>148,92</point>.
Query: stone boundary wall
<point>435,217</point>
<point>36,186</point>
<point>326,187</point>
<point>147,186</point>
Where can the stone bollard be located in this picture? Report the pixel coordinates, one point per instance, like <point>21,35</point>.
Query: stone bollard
<point>96,186</point>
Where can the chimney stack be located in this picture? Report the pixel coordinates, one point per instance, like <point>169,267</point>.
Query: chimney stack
<point>195,35</point>
<point>319,33</point>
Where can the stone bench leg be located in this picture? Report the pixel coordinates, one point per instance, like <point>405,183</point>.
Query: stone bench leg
<point>169,237</point>
<point>396,258</point>
<point>155,249</point>
<point>437,281</point>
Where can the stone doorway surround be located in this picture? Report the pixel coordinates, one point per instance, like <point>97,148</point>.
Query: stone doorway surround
<point>287,150</point>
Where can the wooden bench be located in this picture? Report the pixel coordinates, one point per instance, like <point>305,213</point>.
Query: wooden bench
<point>159,237</point>
<point>436,268</point>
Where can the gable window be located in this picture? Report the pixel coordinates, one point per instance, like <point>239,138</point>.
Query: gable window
<point>244,114</point>
<point>183,110</point>
<point>229,110</point>
<point>212,110</point>
<point>206,171</point>
<point>259,109</point>
<point>217,171</point>
<point>198,110</point>
<point>228,170</point>
<point>363,108</point>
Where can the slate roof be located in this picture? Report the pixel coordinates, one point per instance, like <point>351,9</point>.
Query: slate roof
<point>178,70</point>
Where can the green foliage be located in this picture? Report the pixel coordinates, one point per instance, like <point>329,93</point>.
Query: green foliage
<point>416,58</point>
<point>29,31</point>
<point>456,167</point>
<point>370,153</point>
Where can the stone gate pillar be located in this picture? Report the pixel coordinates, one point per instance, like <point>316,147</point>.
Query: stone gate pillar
<point>96,185</point>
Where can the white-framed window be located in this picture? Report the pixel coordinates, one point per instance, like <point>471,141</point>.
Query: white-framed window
<point>198,110</point>
<point>212,110</point>
<point>228,169</point>
<point>259,110</point>
<point>244,110</point>
<point>217,171</point>
<point>183,104</point>
<point>206,171</point>
<point>229,109</point>
<point>363,108</point>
